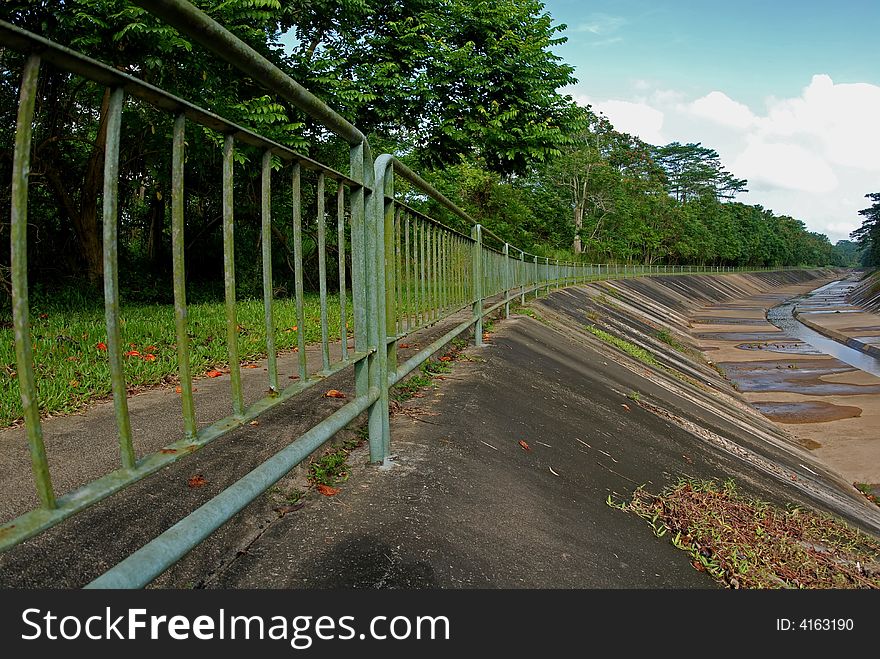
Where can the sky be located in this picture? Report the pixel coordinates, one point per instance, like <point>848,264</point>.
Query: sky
<point>787,91</point>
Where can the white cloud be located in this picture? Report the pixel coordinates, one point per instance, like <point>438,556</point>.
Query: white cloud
<point>600,24</point>
<point>719,107</point>
<point>788,166</point>
<point>636,118</point>
<point>813,156</point>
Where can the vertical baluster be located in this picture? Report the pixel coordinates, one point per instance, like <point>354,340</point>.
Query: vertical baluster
<point>322,274</point>
<point>111,277</point>
<point>423,316</point>
<point>409,278</point>
<point>340,243</point>
<point>24,356</point>
<point>229,276</point>
<point>266,238</point>
<point>179,270</point>
<point>399,279</point>
<point>298,271</point>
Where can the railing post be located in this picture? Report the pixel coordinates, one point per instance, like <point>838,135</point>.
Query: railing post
<point>522,277</point>
<point>377,373</point>
<point>358,270</point>
<point>547,277</point>
<point>537,288</point>
<point>506,280</point>
<point>477,269</point>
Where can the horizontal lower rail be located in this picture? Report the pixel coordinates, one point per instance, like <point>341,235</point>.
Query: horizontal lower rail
<point>165,550</point>
<point>35,521</point>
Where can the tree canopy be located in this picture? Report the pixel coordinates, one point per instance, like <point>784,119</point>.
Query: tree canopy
<point>868,235</point>
<point>469,92</point>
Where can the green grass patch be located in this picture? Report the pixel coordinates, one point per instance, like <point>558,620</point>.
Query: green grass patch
<point>868,491</point>
<point>332,467</point>
<point>405,390</point>
<point>672,342</point>
<point>629,348</point>
<point>744,542</point>
<point>71,369</point>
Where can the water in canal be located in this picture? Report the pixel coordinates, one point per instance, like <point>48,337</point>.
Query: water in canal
<point>782,316</point>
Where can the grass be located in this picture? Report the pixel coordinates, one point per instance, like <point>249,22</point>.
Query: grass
<point>672,342</point>
<point>429,370</point>
<point>71,369</point>
<point>634,396</point>
<point>868,491</point>
<point>744,542</point>
<point>408,388</point>
<point>332,467</point>
<point>629,348</point>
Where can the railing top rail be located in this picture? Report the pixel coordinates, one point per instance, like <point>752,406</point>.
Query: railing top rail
<point>197,25</point>
<point>427,218</point>
<point>387,160</point>
<point>74,62</point>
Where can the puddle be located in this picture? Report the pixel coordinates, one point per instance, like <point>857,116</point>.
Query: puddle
<point>799,377</point>
<point>741,336</point>
<point>806,309</point>
<point>786,347</point>
<point>806,412</point>
<point>710,320</point>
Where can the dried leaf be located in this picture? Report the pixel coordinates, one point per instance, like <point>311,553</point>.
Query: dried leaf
<point>132,353</point>
<point>254,423</point>
<point>149,358</point>
<point>150,348</point>
<point>196,481</point>
<point>168,451</point>
<point>525,446</point>
<point>74,383</point>
<point>403,345</point>
<point>326,490</point>
<point>333,393</point>
<point>625,406</point>
<point>101,346</point>
<point>178,390</point>
<point>73,359</point>
<point>213,374</point>
<point>251,366</point>
<point>446,358</point>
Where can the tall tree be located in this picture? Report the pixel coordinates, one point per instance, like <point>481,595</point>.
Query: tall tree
<point>693,170</point>
<point>868,235</point>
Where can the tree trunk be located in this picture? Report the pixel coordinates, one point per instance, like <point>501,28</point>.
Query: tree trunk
<point>84,215</point>
<point>157,224</point>
<point>578,225</point>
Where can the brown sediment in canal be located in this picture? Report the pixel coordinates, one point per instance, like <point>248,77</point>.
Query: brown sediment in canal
<point>810,411</point>
<point>827,406</point>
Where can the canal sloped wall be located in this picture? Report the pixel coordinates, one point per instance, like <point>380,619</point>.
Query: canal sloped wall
<point>867,293</point>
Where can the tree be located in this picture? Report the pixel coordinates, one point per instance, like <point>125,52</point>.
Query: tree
<point>868,235</point>
<point>694,171</point>
<point>448,78</point>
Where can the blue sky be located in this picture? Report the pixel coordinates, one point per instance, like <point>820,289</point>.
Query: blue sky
<point>788,92</point>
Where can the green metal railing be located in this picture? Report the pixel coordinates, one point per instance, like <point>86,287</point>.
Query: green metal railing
<point>408,271</point>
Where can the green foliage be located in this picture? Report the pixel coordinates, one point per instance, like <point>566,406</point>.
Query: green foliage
<point>622,344</point>
<point>868,235</point>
